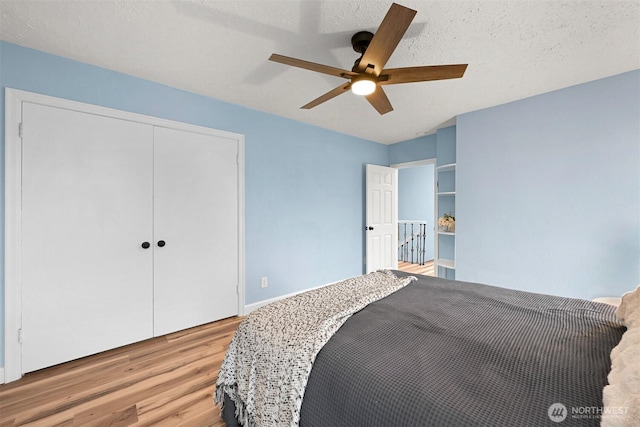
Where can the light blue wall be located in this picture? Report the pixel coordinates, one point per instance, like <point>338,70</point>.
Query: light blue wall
<point>415,199</point>
<point>304,185</point>
<point>414,185</point>
<point>548,191</point>
<point>446,145</point>
<point>412,150</point>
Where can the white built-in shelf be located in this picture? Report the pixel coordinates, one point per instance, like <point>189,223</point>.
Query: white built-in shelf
<point>447,263</point>
<point>445,246</point>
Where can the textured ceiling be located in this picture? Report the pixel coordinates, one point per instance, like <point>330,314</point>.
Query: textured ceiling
<point>514,49</point>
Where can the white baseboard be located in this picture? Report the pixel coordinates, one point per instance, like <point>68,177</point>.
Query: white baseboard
<point>256,305</point>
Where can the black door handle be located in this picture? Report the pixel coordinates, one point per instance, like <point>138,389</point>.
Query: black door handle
<point>145,245</point>
<point>161,243</point>
<point>368,228</point>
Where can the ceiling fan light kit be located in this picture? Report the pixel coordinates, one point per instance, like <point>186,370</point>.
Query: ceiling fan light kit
<point>363,86</point>
<point>368,74</point>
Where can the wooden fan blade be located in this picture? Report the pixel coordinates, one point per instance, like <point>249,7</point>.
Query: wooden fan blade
<point>379,101</point>
<point>384,42</point>
<point>307,65</point>
<point>327,96</point>
<point>393,76</point>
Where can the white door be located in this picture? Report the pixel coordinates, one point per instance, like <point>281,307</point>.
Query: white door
<point>86,210</point>
<point>382,218</point>
<point>196,216</point>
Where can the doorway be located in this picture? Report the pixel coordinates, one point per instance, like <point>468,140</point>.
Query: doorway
<point>416,212</point>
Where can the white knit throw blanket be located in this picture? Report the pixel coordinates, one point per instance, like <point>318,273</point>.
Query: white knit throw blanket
<point>266,368</point>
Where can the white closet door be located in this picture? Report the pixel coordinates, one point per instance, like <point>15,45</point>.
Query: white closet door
<point>86,209</point>
<point>196,215</point>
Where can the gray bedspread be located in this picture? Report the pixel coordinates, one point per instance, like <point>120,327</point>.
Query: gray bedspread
<point>446,353</point>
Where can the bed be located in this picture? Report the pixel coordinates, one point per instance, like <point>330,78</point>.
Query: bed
<point>431,352</point>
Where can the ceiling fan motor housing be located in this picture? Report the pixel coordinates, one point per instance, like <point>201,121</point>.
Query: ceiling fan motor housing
<point>360,41</point>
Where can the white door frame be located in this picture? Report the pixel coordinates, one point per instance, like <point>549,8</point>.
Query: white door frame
<point>13,224</point>
<point>426,162</point>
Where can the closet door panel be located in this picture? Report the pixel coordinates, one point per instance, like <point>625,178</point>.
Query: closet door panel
<point>196,215</point>
<point>87,207</point>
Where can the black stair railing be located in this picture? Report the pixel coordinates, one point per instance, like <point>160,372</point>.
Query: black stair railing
<point>411,241</point>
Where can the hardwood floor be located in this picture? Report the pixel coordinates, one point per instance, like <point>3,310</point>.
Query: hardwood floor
<point>426,269</point>
<point>164,381</point>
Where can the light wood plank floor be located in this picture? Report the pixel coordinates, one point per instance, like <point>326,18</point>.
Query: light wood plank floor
<point>426,269</point>
<point>164,381</point>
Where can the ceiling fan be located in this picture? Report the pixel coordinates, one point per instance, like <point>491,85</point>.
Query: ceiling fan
<point>368,74</point>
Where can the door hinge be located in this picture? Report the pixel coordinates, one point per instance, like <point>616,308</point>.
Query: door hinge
<point>20,336</point>
<point>20,130</point>
<point>238,289</point>
<point>238,159</point>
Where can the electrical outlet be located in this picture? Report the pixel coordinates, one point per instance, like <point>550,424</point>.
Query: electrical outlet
<point>264,282</point>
